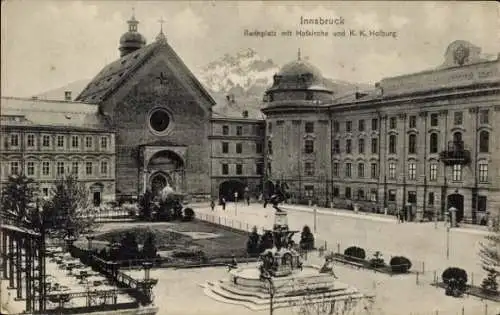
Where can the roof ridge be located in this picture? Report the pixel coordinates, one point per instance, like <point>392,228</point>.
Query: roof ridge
<point>40,100</point>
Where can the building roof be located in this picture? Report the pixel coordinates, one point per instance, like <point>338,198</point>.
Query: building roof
<point>43,113</point>
<point>112,76</point>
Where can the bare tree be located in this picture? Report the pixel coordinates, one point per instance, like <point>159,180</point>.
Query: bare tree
<point>67,214</point>
<point>490,255</point>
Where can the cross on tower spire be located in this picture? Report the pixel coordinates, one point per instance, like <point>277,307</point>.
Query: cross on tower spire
<point>160,35</point>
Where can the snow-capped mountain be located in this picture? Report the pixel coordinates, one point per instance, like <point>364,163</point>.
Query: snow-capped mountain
<point>237,83</point>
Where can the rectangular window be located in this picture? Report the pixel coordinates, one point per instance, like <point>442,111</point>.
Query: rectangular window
<point>74,168</point>
<point>269,147</point>
<point>348,146</point>
<point>392,195</point>
<point>104,143</point>
<point>88,142</point>
<point>258,148</point>
<point>336,169</point>
<point>348,170</point>
<point>259,168</point>
<point>392,144</point>
<point>348,126</point>
<point>393,123</point>
<point>14,140</point>
<point>88,168</point>
<point>30,168</point>
<point>392,170</point>
<point>239,169</point>
<point>60,141</point>
<point>336,192</point>
<point>309,146</point>
<point>104,167</point>
<point>430,200</point>
<point>361,125</point>
<point>225,169</point>
<point>30,141</point>
<point>434,120</point>
<point>483,172</point>
<point>457,172</point>
<point>45,168</point>
<point>412,171</point>
<point>239,130</point>
<point>225,130</point>
<point>413,122</point>
<point>458,118</point>
<point>374,170</point>
<point>60,168</point>
<point>280,122</point>
<point>309,127</point>
<point>412,144</point>
<point>374,146</point>
<point>336,126</point>
<point>46,141</point>
<point>347,193</point>
<point>433,172</point>
<point>239,148</point>
<point>45,192</point>
<point>361,170</point>
<point>309,169</point>
<point>309,191</point>
<point>374,124</point>
<point>484,116</point>
<point>412,197</point>
<point>225,147</point>
<point>373,194</point>
<point>481,203</point>
<point>361,146</point>
<point>74,141</point>
<point>336,146</point>
<point>270,127</point>
<point>361,194</point>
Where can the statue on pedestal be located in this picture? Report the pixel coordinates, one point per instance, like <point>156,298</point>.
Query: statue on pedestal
<point>278,194</point>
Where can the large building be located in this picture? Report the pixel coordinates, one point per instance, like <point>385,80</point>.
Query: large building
<point>48,139</point>
<point>424,141</point>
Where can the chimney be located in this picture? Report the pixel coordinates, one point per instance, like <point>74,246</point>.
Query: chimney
<point>67,95</point>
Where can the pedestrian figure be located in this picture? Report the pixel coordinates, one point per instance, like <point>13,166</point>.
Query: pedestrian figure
<point>212,204</point>
<point>223,202</point>
<point>248,200</point>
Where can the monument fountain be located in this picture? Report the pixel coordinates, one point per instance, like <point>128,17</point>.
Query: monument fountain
<point>281,279</point>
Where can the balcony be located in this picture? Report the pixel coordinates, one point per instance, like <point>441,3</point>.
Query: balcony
<point>455,154</point>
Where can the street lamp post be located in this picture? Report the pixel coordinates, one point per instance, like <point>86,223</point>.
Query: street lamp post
<point>315,217</point>
<point>447,235</point>
<point>236,203</point>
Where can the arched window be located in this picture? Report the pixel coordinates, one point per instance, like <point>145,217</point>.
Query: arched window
<point>457,141</point>
<point>412,144</point>
<point>457,137</point>
<point>484,141</point>
<point>433,143</point>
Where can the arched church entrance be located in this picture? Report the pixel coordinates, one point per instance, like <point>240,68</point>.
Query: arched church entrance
<point>229,187</point>
<point>457,201</point>
<point>166,167</point>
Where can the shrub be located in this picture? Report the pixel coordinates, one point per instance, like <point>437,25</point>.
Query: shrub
<point>377,261</point>
<point>266,241</point>
<point>400,264</point>
<point>188,214</point>
<point>455,280</point>
<point>146,205</point>
<point>355,253</point>
<point>490,284</point>
<point>253,242</point>
<point>149,249</point>
<point>306,238</point>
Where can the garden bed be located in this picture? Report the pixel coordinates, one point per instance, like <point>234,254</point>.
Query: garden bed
<point>474,291</point>
<point>361,263</point>
<point>185,242</point>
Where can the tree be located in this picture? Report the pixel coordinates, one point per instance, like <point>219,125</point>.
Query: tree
<point>129,248</point>
<point>489,254</point>
<point>18,198</point>
<point>67,214</point>
<point>146,205</point>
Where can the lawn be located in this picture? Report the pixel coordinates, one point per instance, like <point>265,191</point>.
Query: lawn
<point>180,239</point>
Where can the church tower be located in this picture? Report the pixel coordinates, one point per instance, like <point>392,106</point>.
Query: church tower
<point>131,40</point>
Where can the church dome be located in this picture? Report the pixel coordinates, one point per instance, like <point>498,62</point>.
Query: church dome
<point>131,40</point>
<point>299,68</point>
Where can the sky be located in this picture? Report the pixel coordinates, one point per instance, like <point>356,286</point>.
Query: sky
<point>48,44</point>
